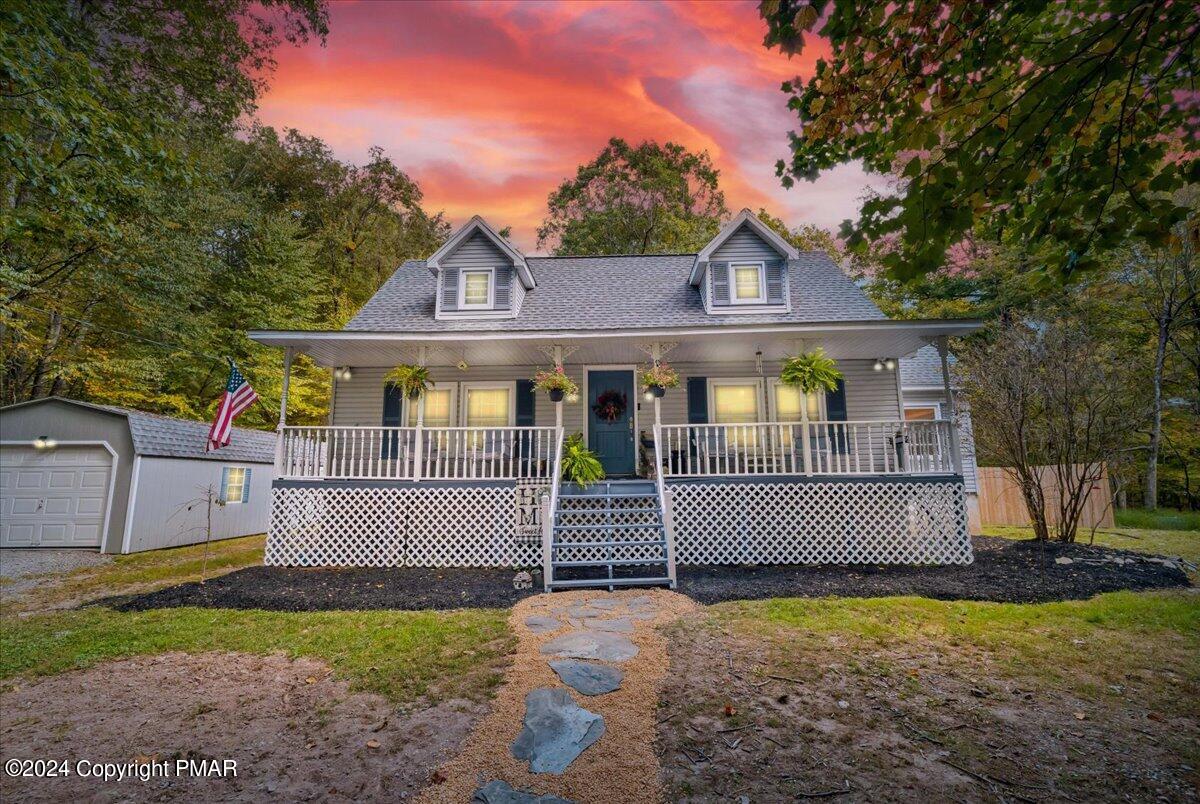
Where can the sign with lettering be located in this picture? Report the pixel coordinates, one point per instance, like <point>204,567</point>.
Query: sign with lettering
<point>529,509</point>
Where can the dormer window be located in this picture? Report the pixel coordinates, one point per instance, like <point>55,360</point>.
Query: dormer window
<point>749,283</point>
<point>477,289</point>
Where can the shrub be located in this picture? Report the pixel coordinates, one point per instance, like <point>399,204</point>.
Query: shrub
<point>579,464</point>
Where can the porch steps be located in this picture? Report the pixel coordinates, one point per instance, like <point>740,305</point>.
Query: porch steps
<point>607,535</point>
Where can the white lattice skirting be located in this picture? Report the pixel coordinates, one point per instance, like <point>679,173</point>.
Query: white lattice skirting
<point>873,522</point>
<point>381,526</point>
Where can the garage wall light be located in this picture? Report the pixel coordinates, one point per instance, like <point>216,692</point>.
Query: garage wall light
<point>44,442</point>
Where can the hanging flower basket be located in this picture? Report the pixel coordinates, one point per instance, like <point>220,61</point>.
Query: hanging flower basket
<point>811,372</point>
<point>556,383</point>
<point>610,405</point>
<point>413,381</point>
<point>656,379</point>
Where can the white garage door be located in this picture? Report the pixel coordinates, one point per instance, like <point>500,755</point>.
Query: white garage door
<point>53,498</point>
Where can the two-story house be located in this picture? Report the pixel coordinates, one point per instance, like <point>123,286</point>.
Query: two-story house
<point>730,467</point>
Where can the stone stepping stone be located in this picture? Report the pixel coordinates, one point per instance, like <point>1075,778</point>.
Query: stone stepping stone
<point>556,730</point>
<point>591,645</point>
<point>499,791</point>
<point>540,624</point>
<point>588,678</point>
<point>617,625</point>
<point>605,603</point>
<point>583,612</point>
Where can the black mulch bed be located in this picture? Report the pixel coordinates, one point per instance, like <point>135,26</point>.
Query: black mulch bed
<point>1004,571</point>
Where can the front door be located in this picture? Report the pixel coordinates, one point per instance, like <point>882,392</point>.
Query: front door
<point>611,402</point>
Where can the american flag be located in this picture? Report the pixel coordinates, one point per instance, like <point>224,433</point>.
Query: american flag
<point>237,397</point>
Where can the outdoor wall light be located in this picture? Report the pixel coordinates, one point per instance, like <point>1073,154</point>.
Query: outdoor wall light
<point>885,362</point>
<point>878,365</point>
<point>572,399</point>
<point>890,363</point>
<point>342,373</point>
<point>649,397</point>
<point>44,442</point>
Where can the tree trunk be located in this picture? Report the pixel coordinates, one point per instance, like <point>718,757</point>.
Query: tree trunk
<point>1150,492</point>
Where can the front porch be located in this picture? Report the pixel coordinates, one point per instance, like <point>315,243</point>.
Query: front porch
<point>733,469</point>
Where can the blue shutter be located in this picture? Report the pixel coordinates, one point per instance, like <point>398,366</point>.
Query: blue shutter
<point>526,402</point>
<point>774,271</point>
<point>835,410</point>
<point>224,483</point>
<point>246,487</point>
<point>720,280</point>
<point>697,400</point>
<point>392,417</point>
<point>503,277</point>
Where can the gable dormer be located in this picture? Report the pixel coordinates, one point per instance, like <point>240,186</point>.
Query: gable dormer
<point>479,274</point>
<point>744,269</point>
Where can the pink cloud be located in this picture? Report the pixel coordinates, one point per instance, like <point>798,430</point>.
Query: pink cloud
<point>491,105</point>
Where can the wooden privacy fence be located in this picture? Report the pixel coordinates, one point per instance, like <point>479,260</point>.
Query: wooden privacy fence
<point>1000,501</point>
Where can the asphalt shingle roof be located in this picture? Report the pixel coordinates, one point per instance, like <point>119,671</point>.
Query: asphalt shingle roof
<point>613,292</point>
<point>923,369</point>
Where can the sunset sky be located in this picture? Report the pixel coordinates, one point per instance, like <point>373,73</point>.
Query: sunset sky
<point>490,105</point>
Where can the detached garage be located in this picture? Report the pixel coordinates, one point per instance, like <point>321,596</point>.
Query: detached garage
<point>74,474</point>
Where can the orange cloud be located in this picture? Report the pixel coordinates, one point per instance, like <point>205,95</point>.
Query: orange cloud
<point>489,106</point>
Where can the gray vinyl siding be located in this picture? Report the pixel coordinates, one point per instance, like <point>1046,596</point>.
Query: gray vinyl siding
<point>476,252</point>
<point>168,487</point>
<point>745,245</point>
<point>869,394</point>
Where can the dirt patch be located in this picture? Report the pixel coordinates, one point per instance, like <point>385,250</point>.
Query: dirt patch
<point>854,722</point>
<point>345,589</point>
<point>622,764</point>
<point>1004,570</point>
<point>295,733</point>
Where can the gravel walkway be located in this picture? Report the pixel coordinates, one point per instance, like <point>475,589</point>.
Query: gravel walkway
<point>19,563</point>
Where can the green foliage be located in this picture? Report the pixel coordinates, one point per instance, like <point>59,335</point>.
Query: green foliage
<point>1160,519</point>
<point>642,199</point>
<point>660,374</point>
<point>555,379</point>
<point>579,464</point>
<point>1064,126</point>
<point>811,372</point>
<point>413,381</point>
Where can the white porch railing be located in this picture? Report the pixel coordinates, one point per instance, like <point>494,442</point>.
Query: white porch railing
<point>816,448</point>
<point>417,453</point>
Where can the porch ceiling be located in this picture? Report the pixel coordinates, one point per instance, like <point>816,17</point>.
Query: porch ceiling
<point>843,341</point>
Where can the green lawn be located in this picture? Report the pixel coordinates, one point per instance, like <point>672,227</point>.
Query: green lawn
<point>1160,519</point>
<point>403,655</point>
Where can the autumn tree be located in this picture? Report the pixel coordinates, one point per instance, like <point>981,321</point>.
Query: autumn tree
<point>1066,126</point>
<point>642,199</point>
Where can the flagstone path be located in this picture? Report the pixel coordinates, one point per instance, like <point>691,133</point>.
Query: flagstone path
<point>575,720</point>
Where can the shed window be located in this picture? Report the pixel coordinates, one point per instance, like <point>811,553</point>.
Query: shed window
<point>235,485</point>
<point>476,289</point>
<point>748,283</point>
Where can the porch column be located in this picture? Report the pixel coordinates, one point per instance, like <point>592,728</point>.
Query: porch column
<point>558,361</point>
<point>951,408</point>
<point>806,442</point>
<point>655,356</point>
<point>288,354</point>
<point>419,437</point>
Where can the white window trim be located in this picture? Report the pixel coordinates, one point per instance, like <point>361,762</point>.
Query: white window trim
<point>713,382</point>
<point>462,288</point>
<point>452,387</point>
<point>937,408</point>
<point>761,298</point>
<point>466,387</point>
<point>823,412</point>
<point>225,486</point>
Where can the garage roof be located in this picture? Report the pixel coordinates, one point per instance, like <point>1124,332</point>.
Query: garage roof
<point>165,436</point>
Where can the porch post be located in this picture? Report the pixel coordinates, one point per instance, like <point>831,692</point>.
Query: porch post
<point>547,537</point>
<point>419,435</point>
<point>951,408</point>
<point>806,443</point>
<point>288,354</point>
<point>558,416</point>
<point>655,356</point>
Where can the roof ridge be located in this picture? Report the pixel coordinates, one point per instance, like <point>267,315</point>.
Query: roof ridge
<point>604,256</point>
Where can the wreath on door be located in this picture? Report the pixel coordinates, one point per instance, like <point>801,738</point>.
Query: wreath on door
<point>610,405</point>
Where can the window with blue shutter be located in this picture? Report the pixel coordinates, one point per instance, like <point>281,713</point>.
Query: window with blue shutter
<point>392,417</point>
<point>835,410</point>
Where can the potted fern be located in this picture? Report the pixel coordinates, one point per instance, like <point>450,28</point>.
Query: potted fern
<point>413,381</point>
<point>579,464</point>
<point>809,373</point>
<point>656,379</point>
<point>555,382</point>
